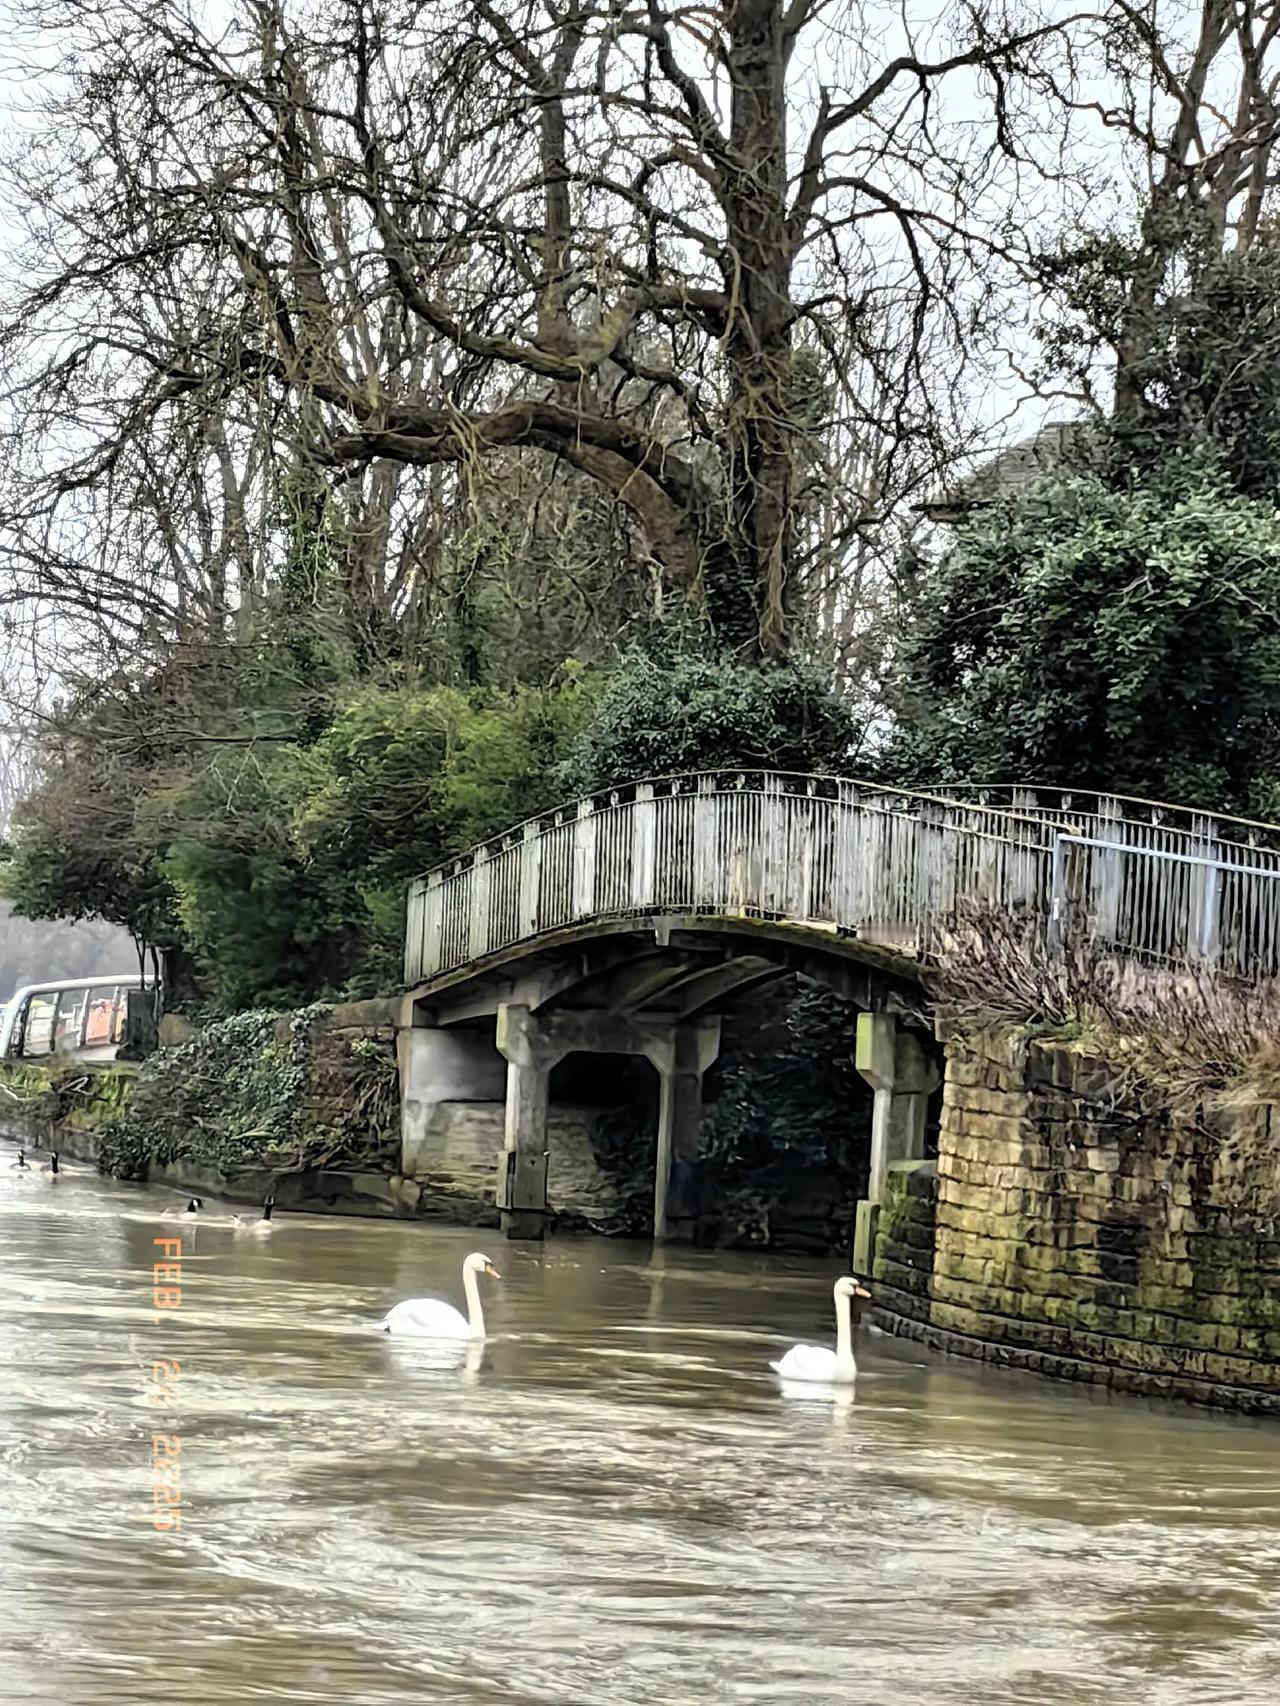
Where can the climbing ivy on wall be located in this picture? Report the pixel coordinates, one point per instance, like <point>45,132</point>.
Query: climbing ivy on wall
<point>262,1090</point>
<point>785,1129</point>
<point>789,1103</point>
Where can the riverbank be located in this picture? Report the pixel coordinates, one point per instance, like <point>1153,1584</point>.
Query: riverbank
<point>305,1105</point>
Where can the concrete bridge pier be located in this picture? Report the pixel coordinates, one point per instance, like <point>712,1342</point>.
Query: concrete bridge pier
<point>532,1043</point>
<point>522,1172</point>
<point>680,1060</point>
<point>902,1077</point>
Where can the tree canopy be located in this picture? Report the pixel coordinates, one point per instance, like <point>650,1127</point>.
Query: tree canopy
<point>414,417</point>
<point>1124,639</point>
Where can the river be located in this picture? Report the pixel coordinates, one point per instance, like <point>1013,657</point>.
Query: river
<point>616,1505</point>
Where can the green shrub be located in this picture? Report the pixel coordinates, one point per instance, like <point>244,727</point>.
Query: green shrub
<point>657,719</point>
<point>1123,640</point>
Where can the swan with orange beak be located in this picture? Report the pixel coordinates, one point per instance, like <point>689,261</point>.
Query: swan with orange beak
<point>816,1362</point>
<point>432,1318</point>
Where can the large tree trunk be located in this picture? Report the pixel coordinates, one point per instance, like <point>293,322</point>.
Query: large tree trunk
<point>748,582</point>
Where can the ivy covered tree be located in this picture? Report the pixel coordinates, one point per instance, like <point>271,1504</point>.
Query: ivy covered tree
<point>1089,636</point>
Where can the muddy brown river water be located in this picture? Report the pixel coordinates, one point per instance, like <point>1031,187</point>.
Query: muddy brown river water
<point>614,1505</point>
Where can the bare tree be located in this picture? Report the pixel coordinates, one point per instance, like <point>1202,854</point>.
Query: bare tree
<point>710,257</point>
<point>1187,97</point>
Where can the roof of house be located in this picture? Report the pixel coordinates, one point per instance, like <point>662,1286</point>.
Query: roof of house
<point>1016,466</point>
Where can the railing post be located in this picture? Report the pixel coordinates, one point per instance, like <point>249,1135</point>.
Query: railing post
<point>808,854</point>
<point>433,925</point>
<point>772,850</point>
<point>1106,877</point>
<point>706,864</point>
<point>1209,914</point>
<point>584,860</point>
<point>643,847</point>
<point>530,878</point>
<point>1202,924</point>
<point>480,878</point>
<point>415,918</point>
<point>928,843</point>
<point>845,856</point>
<point>1056,898</point>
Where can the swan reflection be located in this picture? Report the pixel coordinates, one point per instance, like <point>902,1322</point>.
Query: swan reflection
<point>438,1356</point>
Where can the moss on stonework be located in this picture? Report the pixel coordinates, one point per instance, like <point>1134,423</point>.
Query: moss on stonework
<point>44,1098</point>
<point>1128,1230</point>
<point>906,1230</point>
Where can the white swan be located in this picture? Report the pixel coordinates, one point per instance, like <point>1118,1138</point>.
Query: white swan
<point>430,1318</point>
<point>816,1362</point>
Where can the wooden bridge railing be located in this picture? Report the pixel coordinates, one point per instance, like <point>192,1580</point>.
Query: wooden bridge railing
<point>1157,883</point>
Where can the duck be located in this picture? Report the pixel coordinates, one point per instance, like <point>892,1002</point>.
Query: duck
<point>432,1318</point>
<point>817,1362</point>
<point>259,1228</point>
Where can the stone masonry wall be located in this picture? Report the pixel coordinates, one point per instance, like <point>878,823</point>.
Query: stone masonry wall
<point>906,1236</point>
<point>1078,1236</point>
<point>456,1168</point>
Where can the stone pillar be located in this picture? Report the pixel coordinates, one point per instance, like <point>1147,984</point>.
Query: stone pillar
<point>681,1060</point>
<point>522,1170</point>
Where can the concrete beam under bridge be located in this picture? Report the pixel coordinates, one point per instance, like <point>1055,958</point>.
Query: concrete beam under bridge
<point>532,1043</point>
<point>578,963</point>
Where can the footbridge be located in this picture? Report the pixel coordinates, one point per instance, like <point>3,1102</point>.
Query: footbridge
<point>629,921</point>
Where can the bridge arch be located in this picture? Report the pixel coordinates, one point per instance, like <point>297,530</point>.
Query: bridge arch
<point>627,920</point>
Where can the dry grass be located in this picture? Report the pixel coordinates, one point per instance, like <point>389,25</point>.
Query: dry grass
<point>1194,1039</point>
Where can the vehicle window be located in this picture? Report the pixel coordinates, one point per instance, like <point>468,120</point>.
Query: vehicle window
<point>37,1032</point>
<point>70,1017</point>
<point>100,1021</point>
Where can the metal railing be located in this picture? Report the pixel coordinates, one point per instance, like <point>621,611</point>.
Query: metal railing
<point>1158,884</point>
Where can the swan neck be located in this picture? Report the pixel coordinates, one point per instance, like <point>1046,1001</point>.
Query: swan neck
<point>844,1333</point>
<point>475,1310</point>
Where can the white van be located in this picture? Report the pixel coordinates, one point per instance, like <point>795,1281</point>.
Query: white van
<point>84,1018</point>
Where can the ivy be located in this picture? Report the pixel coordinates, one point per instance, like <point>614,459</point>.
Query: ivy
<point>786,1110</point>
<point>664,719</point>
<point>265,1090</point>
<point>1123,639</point>
<point>790,1095</point>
